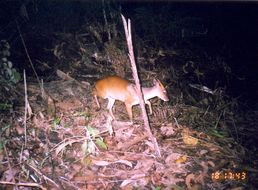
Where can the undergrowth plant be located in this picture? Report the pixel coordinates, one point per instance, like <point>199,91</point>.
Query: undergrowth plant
<point>7,72</point>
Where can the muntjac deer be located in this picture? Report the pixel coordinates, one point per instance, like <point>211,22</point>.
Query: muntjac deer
<point>116,88</point>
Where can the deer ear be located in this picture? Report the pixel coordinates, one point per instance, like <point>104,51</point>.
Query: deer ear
<point>155,81</point>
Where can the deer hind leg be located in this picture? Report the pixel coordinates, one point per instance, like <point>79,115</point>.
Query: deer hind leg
<point>96,100</point>
<point>129,111</point>
<point>111,102</point>
<point>94,93</point>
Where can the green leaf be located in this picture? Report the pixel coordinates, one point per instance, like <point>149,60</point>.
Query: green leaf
<point>217,133</point>
<point>5,106</point>
<point>9,71</point>
<point>4,59</point>
<point>93,132</point>
<point>16,76</point>
<point>101,143</point>
<point>1,146</point>
<point>10,65</point>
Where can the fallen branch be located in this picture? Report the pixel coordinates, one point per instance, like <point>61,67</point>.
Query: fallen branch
<point>23,184</point>
<point>66,77</point>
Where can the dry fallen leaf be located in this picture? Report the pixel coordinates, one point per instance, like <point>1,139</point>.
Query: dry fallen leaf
<point>100,162</point>
<point>237,188</point>
<point>19,129</point>
<point>86,161</point>
<point>189,140</point>
<point>194,182</point>
<point>167,131</point>
<point>202,152</point>
<point>181,159</point>
<point>9,174</point>
<point>124,162</point>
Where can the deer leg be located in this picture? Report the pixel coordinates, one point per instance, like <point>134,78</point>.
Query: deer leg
<point>97,102</point>
<point>129,111</point>
<point>110,106</point>
<point>149,104</point>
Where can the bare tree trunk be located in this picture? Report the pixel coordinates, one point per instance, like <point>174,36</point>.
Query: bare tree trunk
<point>127,27</point>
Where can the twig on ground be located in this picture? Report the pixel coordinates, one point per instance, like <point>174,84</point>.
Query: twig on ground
<point>9,165</point>
<point>23,184</point>
<point>40,173</point>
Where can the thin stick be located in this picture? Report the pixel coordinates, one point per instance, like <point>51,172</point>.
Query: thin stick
<point>42,175</point>
<point>105,19</point>
<point>127,28</point>
<point>27,54</point>
<point>26,108</point>
<point>23,184</point>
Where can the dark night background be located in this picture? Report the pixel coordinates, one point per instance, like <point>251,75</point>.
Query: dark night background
<point>233,28</point>
<point>231,31</point>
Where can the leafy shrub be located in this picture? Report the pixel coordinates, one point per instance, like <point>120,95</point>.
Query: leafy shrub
<point>7,71</point>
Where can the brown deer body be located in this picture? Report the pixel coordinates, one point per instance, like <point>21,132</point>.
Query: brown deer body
<point>116,88</point>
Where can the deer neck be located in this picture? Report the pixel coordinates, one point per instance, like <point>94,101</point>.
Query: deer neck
<point>149,92</point>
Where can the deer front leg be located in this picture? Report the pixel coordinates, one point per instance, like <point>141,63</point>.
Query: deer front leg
<point>149,104</point>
